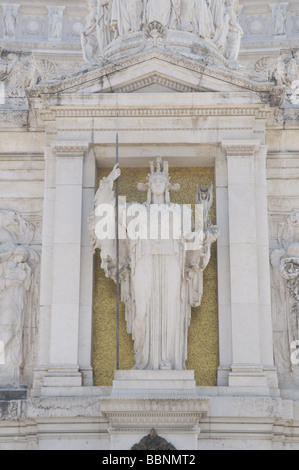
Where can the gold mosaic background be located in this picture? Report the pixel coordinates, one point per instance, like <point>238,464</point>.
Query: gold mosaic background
<point>203,333</point>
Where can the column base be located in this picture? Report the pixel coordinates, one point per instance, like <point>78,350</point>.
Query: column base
<point>248,377</point>
<point>60,376</point>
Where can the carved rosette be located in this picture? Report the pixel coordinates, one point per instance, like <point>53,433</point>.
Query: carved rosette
<point>155,34</point>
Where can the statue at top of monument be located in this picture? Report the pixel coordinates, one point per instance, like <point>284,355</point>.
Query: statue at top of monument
<point>126,16</point>
<point>217,8</point>
<point>201,19</point>
<point>234,35</point>
<point>155,10</point>
<point>161,264</point>
<point>214,21</point>
<point>104,32</point>
<point>89,39</point>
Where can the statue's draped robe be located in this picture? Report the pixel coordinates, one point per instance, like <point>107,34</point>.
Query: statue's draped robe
<point>127,14</point>
<point>156,289</point>
<point>160,11</point>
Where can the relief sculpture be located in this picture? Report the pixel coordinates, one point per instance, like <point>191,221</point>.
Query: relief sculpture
<point>285,298</point>
<point>19,264</point>
<point>212,20</point>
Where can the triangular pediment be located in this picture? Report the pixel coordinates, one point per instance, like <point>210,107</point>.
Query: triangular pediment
<point>154,72</point>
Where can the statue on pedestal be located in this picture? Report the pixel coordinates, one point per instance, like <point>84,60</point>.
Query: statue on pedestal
<point>161,264</point>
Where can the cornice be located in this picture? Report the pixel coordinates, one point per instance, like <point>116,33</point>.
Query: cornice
<point>156,79</point>
<point>89,77</point>
<point>240,148</point>
<point>70,149</point>
<point>257,111</point>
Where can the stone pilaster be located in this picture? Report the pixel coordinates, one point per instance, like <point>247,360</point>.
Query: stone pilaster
<point>63,367</point>
<point>250,304</point>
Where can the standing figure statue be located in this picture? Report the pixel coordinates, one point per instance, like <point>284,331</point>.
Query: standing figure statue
<point>222,29</point>
<point>234,36</point>
<point>157,10</point>
<point>18,296</point>
<point>89,40</point>
<point>56,24</point>
<point>217,8</point>
<point>10,22</point>
<point>103,23</point>
<point>280,21</point>
<point>126,16</point>
<point>175,16</point>
<point>201,19</point>
<point>161,273</point>
<point>15,284</point>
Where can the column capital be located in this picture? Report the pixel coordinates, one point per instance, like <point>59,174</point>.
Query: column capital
<point>239,148</point>
<point>71,149</point>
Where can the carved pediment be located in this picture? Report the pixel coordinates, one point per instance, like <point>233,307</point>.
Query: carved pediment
<point>155,71</point>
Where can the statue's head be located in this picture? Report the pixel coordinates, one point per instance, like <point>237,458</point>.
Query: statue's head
<point>20,254</point>
<point>158,182</point>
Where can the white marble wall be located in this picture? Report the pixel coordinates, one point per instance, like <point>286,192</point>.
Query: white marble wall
<point>34,20</point>
<point>38,177</point>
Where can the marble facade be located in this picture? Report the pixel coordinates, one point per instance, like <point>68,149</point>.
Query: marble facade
<point>165,88</point>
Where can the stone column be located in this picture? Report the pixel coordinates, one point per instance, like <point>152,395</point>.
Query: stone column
<point>63,369</point>
<point>244,209</point>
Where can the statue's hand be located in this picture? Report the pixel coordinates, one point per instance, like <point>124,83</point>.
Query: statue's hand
<point>115,173</point>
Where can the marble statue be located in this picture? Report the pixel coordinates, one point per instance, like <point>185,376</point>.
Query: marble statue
<point>126,16</point>
<point>10,22</point>
<point>110,19</point>
<point>285,71</point>
<point>280,21</point>
<point>201,19</point>
<point>18,75</point>
<point>158,11</point>
<point>285,292</point>
<point>161,274</point>
<point>217,8</point>
<point>222,29</point>
<point>234,36</point>
<point>18,294</point>
<point>104,24</point>
<point>55,24</point>
<point>89,39</point>
<point>21,77</point>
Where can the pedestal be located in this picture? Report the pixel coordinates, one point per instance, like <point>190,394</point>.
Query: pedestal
<point>154,383</point>
<point>165,401</point>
